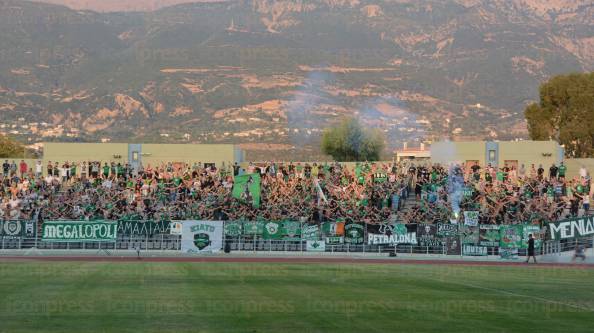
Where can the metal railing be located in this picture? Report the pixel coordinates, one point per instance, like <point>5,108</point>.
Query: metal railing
<point>168,242</point>
<point>557,247</point>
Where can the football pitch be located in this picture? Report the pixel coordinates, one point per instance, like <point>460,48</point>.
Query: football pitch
<point>285,297</point>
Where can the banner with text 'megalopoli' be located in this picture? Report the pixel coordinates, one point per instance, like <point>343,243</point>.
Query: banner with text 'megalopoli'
<point>80,231</point>
<point>202,236</point>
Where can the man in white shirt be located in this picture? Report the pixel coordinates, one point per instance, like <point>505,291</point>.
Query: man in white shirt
<point>64,173</point>
<point>522,171</point>
<point>583,172</point>
<point>107,183</point>
<point>38,169</point>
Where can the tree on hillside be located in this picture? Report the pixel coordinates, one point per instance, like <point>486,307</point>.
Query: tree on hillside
<point>10,148</point>
<point>565,113</point>
<point>349,141</point>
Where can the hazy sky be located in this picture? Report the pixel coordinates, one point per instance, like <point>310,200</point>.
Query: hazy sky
<point>120,5</point>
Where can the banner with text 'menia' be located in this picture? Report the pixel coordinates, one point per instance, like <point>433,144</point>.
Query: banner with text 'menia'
<point>79,231</point>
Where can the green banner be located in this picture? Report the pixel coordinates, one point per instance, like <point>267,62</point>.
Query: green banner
<point>310,232</point>
<point>253,228</point>
<point>79,231</point>
<point>17,229</point>
<point>291,230</point>
<point>489,235</point>
<point>469,235</point>
<point>140,228</point>
<point>334,240</point>
<point>572,228</point>
<point>272,230</point>
<point>246,188</point>
<point>535,231</point>
<point>511,236</point>
<point>233,229</point>
<point>354,233</point>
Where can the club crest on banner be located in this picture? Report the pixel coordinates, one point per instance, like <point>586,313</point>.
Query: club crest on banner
<point>12,228</point>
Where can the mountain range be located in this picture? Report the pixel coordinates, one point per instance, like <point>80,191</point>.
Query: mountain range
<point>271,74</point>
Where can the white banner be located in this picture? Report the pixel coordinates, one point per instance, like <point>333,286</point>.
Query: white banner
<point>471,218</point>
<point>176,228</point>
<point>202,236</point>
<point>316,246</point>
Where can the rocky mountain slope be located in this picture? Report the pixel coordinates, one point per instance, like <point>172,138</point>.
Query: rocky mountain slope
<point>273,73</point>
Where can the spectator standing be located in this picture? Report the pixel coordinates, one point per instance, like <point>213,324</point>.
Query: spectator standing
<point>553,171</point>
<point>23,168</point>
<point>5,168</point>
<point>531,249</point>
<point>583,172</point>
<point>38,169</point>
<point>13,168</point>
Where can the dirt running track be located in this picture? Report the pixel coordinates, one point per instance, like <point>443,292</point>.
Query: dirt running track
<point>287,260</point>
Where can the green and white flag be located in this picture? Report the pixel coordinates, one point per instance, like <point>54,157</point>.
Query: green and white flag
<point>272,230</point>
<point>310,232</point>
<point>315,246</point>
<point>291,230</point>
<point>354,233</point>
<point>233,229</point>
<point>335,240</point>
<point>511,236</point>
<point>246,188</point>
<point>79,231</point>
<point>489,235</point>
<point>471,218</point>
<point>252,228</point>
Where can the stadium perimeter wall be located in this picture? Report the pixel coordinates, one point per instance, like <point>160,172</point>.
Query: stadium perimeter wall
<point>147,154</point>
<point>574,165</point>
<point>498,153</point>
<point>525,152</point>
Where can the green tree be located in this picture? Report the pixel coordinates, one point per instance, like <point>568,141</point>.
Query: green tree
<point>10,148</point>
<point>565,113</point>
<point>349,142</point>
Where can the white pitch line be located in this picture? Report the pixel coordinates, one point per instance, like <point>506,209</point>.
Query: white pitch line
<point>510,293</point>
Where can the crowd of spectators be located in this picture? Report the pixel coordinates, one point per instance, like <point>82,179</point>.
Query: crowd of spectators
<point>507,195</point>
<point>94,190</point>
<point>366,192</point>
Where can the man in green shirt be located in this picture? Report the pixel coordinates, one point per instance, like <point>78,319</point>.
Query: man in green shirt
<point>562,170</point>
<point>488,177</point>
<point>106,171</point>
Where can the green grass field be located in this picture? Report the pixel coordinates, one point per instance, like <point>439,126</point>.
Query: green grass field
<point>199,297</point>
